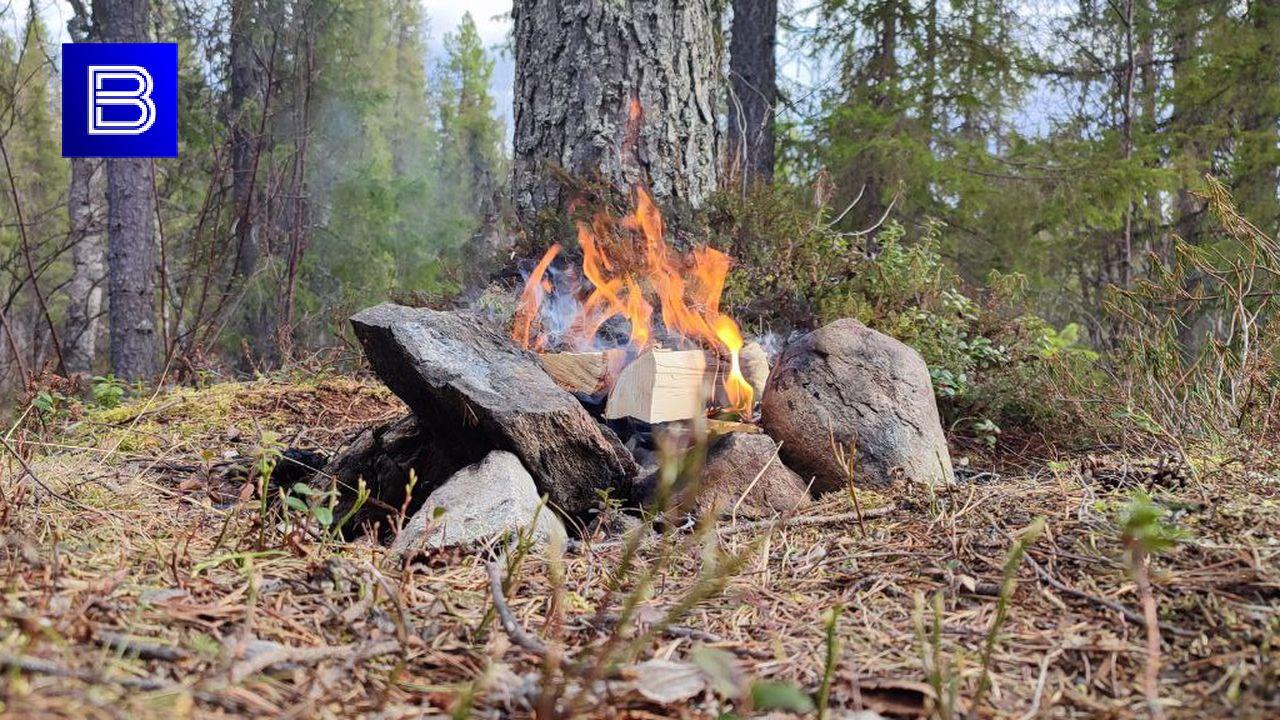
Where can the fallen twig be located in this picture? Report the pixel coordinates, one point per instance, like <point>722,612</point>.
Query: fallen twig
<point>140,648</point>
<point>772,523</point>
<point>44,667</point>
<point>802,520</point>
<point>307,655</point>
<point>1128,614</point>
<point>513,629</point>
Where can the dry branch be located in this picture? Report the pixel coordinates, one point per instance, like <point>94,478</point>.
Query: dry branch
<point>512,627</point>
<point>308,655</point>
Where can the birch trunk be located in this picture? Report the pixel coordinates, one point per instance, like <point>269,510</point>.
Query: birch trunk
<point>88,260</point>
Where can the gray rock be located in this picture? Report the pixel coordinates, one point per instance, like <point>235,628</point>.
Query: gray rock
<point>863,387</point>
<point>478,503</point>
<point>473,391</point>
<point>733,462</point>
<point>729,474</point>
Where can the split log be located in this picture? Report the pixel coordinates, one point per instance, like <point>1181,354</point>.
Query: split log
<point>587,373</point>
<point>662,386</point>
<point>471,388</point>
<point>755,366</point>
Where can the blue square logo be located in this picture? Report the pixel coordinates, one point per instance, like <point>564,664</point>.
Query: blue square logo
<point>120,100</point>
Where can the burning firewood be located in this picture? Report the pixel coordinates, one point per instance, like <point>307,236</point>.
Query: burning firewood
<point>631,276</point>
<point>669,373</point>
<point>662,386</point>
<point>587,373</point>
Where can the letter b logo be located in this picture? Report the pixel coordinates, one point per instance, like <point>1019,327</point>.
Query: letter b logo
<point>120,100</point>
<point>138,97</point>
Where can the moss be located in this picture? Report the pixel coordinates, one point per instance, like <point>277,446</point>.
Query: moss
<point>213,415</point>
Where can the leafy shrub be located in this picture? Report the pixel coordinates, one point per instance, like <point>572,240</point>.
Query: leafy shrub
<point>994,365</point>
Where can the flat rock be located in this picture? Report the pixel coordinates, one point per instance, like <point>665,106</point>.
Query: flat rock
<point>480,502</point>
<point>472,390</point>
<point>852,384</point>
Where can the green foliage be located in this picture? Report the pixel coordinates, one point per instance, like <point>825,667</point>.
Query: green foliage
<point>994,363</point>
<point>1144,529</point>
<point>772,695</point>
<point>1201,349</point>
<point>318,505</point>
<point>107,391</point>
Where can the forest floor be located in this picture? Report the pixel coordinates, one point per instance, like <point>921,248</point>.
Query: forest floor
<point>145,588</point>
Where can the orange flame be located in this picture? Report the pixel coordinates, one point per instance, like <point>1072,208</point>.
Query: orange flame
<point>628,261</point>
<point>737,390</point>
<point>527,310</point>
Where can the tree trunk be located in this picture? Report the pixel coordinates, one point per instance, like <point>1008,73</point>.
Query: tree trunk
<point>130,224</point>
<point>1256,165</point>
<point>88,254</point>
<point>88,257</point>
<point>1188,209</point>
<point>753,78</point>
<point>244,90</point>
<point>615,92</point>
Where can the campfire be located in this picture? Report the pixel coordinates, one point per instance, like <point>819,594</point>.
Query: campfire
<point>596,333</point>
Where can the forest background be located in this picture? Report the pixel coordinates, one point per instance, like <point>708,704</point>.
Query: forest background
<point>1060,204</point>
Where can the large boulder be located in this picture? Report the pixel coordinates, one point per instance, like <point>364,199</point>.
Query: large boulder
<point>480,502</point>
<point>852,385</point>
<point>473,391</point>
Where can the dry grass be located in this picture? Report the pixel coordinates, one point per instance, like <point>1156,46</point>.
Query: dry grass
<point>152,596</point>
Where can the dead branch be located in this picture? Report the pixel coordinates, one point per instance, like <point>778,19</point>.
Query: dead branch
<point>803,520</point>
<point>309,655</point>
<point>1128,614</point>
<point>513,629</point>
<point>44,667</point>
<point>140,648</point>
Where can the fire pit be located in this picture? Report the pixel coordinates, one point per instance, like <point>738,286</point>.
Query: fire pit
<point>596,330</point>
<point>600,358</point>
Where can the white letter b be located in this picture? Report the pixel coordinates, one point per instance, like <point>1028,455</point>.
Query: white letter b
<point>138,97</point>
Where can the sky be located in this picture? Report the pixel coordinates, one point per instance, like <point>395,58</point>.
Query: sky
<point>493,21</point>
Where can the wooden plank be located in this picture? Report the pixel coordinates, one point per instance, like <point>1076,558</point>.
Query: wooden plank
<point>662,386</point>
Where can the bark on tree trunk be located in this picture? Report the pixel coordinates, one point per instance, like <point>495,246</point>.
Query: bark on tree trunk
<point>753,77</point>
<point>88,258</point>
<point>130,224</point>
<point>580,67</point>
<point>244,89</point>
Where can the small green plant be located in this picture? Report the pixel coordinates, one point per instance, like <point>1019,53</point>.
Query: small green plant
<point>987,431</point>
<point>833,659</point>
<point>268,454</point>
<point>48,404</point>
<point>1145,533</point>
<point>107,391</point>
<point>1007,584</point>
<point>937,670</point>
